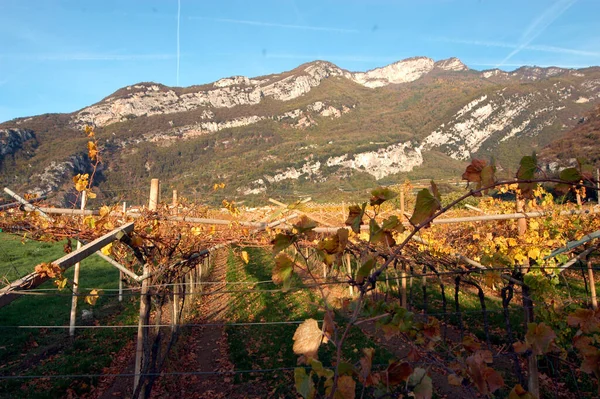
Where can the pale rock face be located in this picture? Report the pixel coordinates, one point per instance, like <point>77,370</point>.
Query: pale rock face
<point>396,158</point>
<point>232,81</point>
<point>148,100</point>
<point>494,72</point>
<point>399,72</point>
<point>582,100</point>
<point>451,64</point>
<point>477,122</point>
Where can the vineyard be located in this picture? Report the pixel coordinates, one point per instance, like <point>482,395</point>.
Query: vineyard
<point>489,292</point>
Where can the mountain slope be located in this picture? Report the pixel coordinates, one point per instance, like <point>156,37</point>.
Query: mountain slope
<point>315,129</point>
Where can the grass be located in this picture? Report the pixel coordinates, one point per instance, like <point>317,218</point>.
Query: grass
<point>270,346</point>
<point>48,351</point>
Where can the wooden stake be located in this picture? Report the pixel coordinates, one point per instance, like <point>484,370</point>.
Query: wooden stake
<point>402,210</point>
<point>533,385</point>
<point>120,286</point>
<point>598,185</point>
<point>592,284</point>
<point>174,198</point>
<point>142,329</point>
<point>175,318</point>
<point>124,208</point>
<point>349,270</point>
<point>403,287</point>
<point>76,279</point>
<point>153,201</point>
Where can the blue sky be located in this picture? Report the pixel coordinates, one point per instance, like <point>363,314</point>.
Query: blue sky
<point>59,56</point>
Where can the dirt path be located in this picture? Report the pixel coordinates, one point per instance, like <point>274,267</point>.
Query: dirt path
<point>201,349</point>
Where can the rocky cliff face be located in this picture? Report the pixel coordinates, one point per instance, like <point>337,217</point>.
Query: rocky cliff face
<point>315,123</point>
<point>152,99</point>
<point>13,140</point>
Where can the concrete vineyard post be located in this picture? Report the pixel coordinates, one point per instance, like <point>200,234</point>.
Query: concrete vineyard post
<point>153,201</point>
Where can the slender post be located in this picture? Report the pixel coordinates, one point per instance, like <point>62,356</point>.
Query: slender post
<point>124,208</point>
<point>598,185</point>
<point>403,287</point>
<point>349,270</point>
<point>120,286</point>
<point>522,228</point>
<point>592,284</point>
<point>153,201</point>
<point>76,279</point>
<point>174,198</point>
<point>175,320</point>
<point>533,385</point>
<point>142,329</point>
<point>402,202</point>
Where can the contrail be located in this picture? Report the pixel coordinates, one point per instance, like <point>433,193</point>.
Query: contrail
<point>277,25</point>
<point>178,19</point>
<point>534,47</point>
<point>538,26</point>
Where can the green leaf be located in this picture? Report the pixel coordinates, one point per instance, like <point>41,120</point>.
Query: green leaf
<point>380,195</point>
<point>282,241</point>
<point>423,387</point>
<point>304,383</point>
<point>572,175</point>
<point>321,371</point>
<point>527,172</point>
<point>355,216</point>
<point>364,270</point>
<point>425,207</point>
<point>488,175</point>
<point>282,271</point>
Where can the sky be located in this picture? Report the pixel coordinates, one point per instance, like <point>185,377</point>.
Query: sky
<point>63,55</point>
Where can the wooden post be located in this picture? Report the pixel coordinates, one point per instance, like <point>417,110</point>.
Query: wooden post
<point>592,284</point>
<point>349,270</point>
<point>533,385</point>
<point>522,228</point>
<point>402,202</point>
<point>578,196</point>
<point>76,279</point>
<point>174,198</point>
<point>175,318</point>
<point>124,208</point>
<point>153,201</point>
<point>403,286</point>
<point>598,185</point>
<point>142,329</point>
<point>120,286</point>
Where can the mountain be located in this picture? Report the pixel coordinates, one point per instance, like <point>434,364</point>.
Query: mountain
<point>317,129</point>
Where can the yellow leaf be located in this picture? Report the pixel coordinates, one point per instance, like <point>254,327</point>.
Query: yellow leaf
<point>93,296</point>
<point>91,194</point>
<point>245,257</point>
<point>92,150</point>
<point>196,231</point>
<point>61,284</point>
<point>106,249</point>
<point>534,253</point>
<point>104,210</point>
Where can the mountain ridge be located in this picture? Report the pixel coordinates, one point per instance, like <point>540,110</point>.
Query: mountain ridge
<point>411,117</point>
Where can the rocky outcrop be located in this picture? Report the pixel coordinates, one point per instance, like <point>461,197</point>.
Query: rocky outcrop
<point>400,72</point>
<point>451,64</point>
<point>151,99</point>
<point>13,140</point>
<point>56,174</point>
